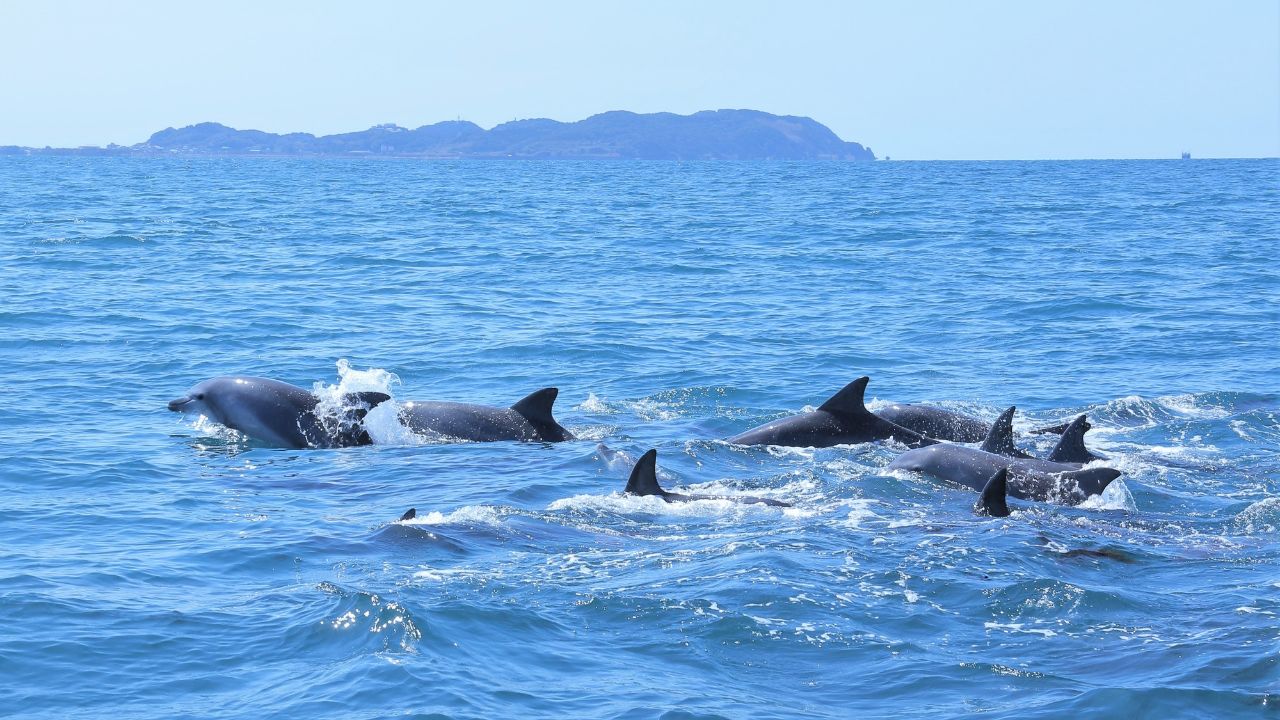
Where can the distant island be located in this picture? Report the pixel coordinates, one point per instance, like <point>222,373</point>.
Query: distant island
<point>706,135</point>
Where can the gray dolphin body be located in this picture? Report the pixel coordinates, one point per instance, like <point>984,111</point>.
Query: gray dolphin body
<point>1028,478</point>
<point>278,413</point>
<point>942,424</point>
<point>935,422</point>
<point>842,420</point>
<point>644,481</point>
<point>528,420</point>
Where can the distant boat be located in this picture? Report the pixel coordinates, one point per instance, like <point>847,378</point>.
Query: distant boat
<point>1186,156</point>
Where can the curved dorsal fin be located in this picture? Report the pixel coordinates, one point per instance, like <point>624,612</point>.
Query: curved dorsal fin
<point>1071,449</point>
<point>644,476</point>
<point>536,406</point>
<point>409,514</point>
<point>1000,440</point>
<point>993,500</point>
<point>849,400</point>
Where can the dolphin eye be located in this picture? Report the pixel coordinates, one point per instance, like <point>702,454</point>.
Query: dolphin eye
<point>200,396</point>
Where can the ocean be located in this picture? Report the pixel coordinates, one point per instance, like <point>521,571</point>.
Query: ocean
<point>159,567</point>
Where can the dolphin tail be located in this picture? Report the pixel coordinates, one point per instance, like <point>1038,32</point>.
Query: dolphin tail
<point>409,514</point>
<point>993,501</point>
<point>850,400</point>
<point>644,476</point>
<point>536,408</point>
<point>1071,449</point>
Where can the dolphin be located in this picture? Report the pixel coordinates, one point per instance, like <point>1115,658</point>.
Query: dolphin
<point>936,422</point>
<point>1028,478</point>
<point>529,419</point>
<point>942,424</point>
<point>278,413</point>
<point>644,481</point>
<point>841,420</point>
<point>993,501</point>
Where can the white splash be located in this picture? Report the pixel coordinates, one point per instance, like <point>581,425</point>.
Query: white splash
<point>382,422</point>
<point>466,515</point>
<point>594,404</point>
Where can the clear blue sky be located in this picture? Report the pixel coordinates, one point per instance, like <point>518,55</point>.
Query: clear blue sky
<point>914,80</point>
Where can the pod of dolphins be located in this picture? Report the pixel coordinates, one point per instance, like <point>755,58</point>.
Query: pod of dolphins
<point>285,415</point>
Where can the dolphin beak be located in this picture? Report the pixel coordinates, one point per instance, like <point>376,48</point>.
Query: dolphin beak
<point>176,404</point>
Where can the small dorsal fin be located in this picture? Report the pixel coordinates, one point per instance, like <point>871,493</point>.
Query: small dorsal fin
<point>536,406</point>
<point>1051,430</point>
<point>1071,449</point>
<point>993,500</point>
<point>409,514</point>
<point>370,398</point>
<point>644,476</point>
<point>849,400</point>
<point>1000,438</point>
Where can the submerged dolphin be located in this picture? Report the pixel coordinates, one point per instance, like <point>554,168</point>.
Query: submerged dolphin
<point>841,420</point>
<point>278,413</point>
<point>1028,478</point>
<point>529,419</point>
<point>644,481</point>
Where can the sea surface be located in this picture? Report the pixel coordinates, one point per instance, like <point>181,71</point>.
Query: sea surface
<point>152,566</point>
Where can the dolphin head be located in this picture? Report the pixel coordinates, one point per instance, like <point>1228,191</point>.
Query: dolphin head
<point>229,401</point>
<point>201,399</point>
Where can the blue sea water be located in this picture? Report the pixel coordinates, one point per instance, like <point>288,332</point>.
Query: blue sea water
<point>153,567</point>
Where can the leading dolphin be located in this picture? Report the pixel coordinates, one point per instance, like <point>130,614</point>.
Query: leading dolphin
<point>278,413</point>
<point>529,419</point>
<point>841,420</point>
<point>644,481</point>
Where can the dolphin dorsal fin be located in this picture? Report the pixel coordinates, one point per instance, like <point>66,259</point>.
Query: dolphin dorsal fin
<point>409,514</point>
<point>1000,438</point>
<point>536,406</point>
<point>370,398</point>
<point>849,400</point>
<point>993,501</point>
<point>1071,449</point>
<point>644,476</point>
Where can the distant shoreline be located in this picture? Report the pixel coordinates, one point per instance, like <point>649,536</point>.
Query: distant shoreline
<point>616,135</point>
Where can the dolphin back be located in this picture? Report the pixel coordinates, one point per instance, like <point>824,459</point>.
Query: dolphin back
<point>1000,440</point>
<point>1071,448</point>
<point>644,476</point>
<point>536,409</point>
<point>993,501</point>
<point>842,420</point>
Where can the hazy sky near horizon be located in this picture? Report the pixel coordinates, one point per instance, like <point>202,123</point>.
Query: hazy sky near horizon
<point>981,79</point>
